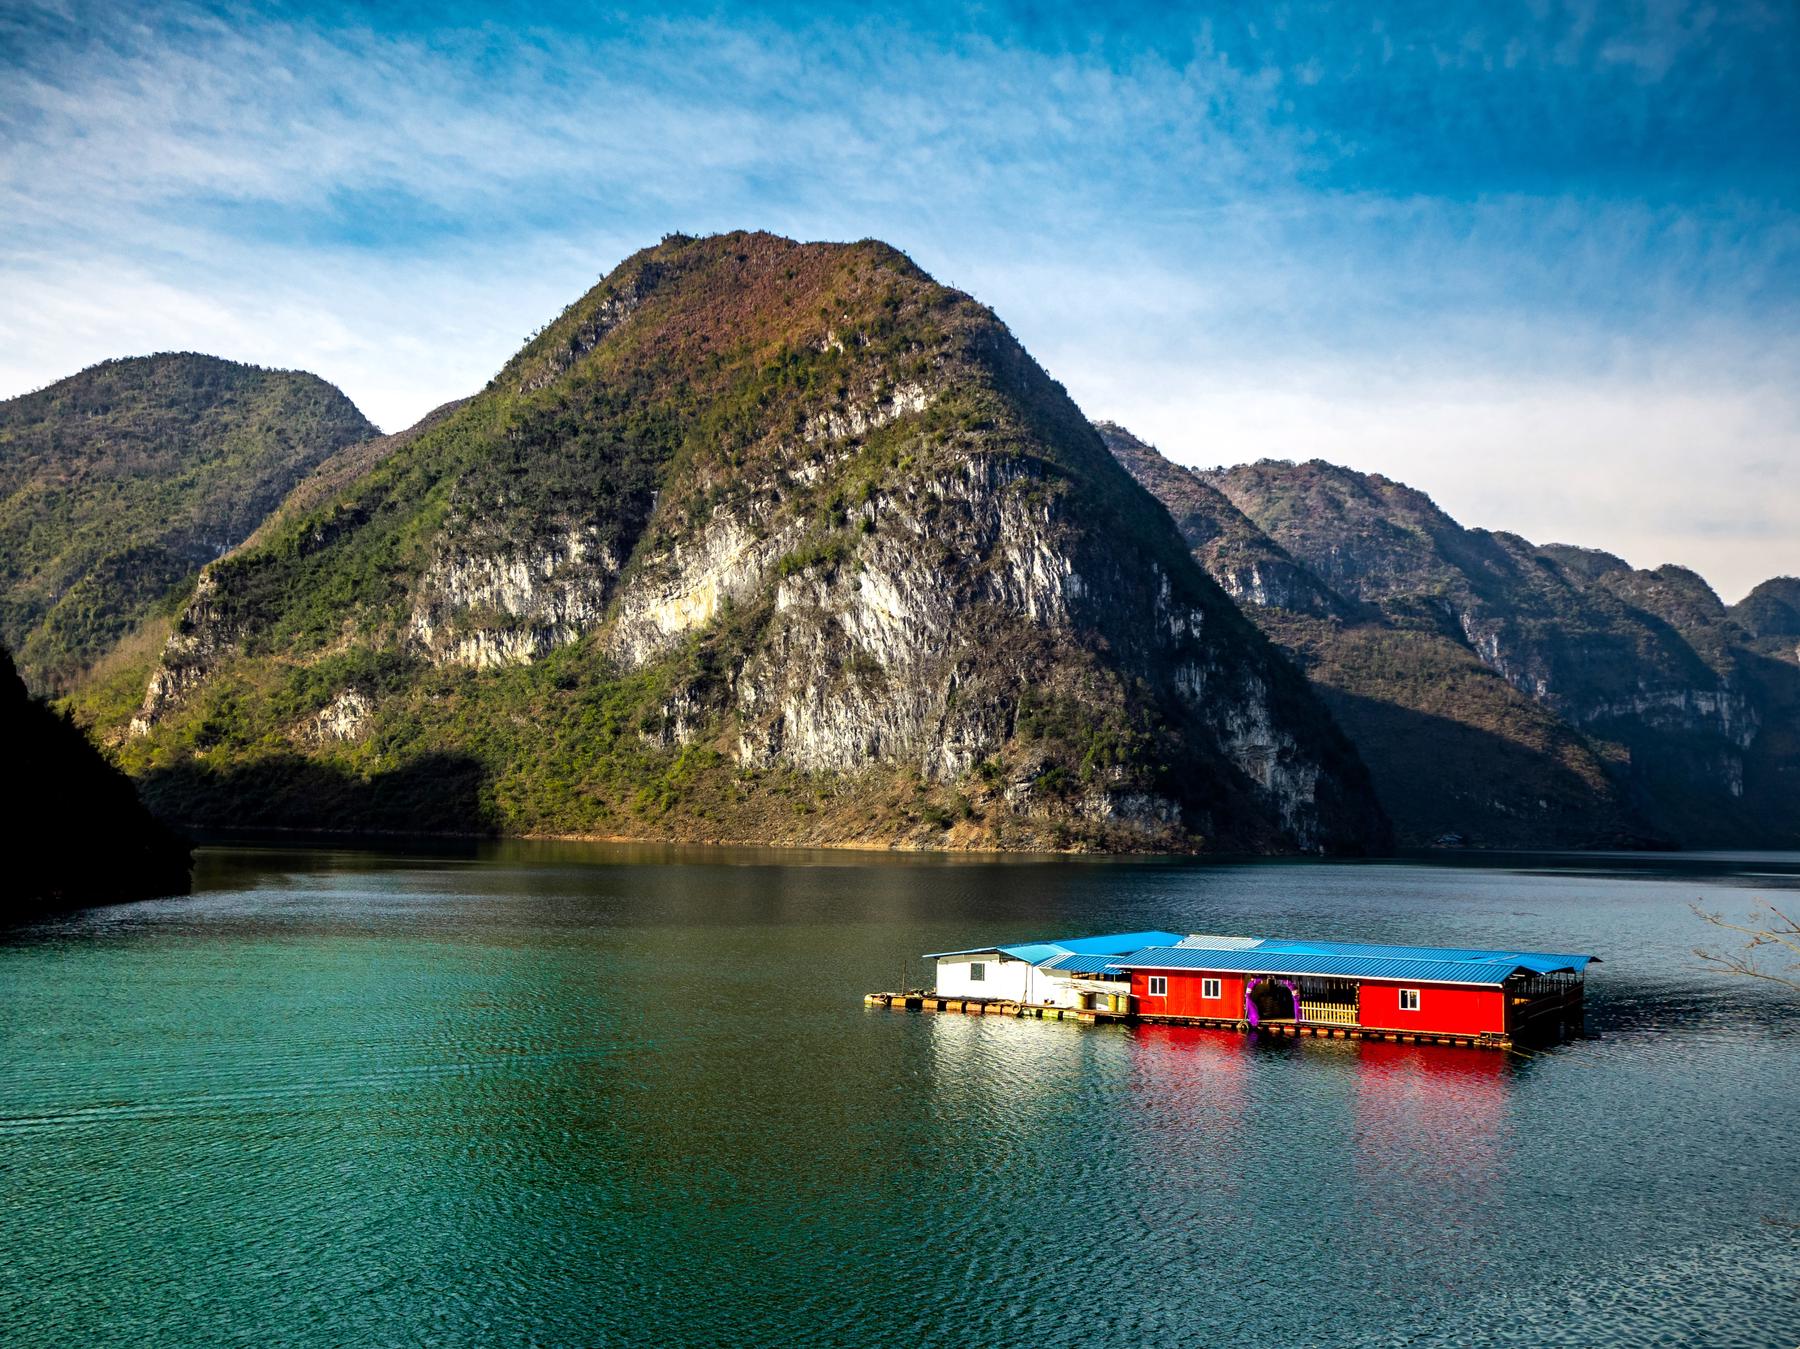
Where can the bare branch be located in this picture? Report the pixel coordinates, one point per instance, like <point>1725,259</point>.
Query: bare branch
<point>1765,927</point>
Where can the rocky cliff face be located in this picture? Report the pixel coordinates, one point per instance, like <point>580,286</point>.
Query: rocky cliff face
<point>1252,568</point>
<point>768,542</point>
<point>1513,693</point>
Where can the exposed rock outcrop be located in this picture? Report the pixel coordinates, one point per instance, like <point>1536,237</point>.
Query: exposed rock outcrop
<point>773,542</point>
<point>345,717</point>
<point>1499,690</point>
<point>512,600</point>
<point>205,636</point>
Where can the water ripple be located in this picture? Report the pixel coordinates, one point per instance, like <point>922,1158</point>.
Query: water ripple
<point>355,1101</point>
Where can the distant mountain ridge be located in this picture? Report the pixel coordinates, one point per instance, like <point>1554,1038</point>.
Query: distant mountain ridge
<point>760,542</point>
<point>1516,694</point>
<point>118,483</point>
<point>763,541</point>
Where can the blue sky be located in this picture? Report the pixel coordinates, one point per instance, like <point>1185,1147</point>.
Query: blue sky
<point>1542,261</point>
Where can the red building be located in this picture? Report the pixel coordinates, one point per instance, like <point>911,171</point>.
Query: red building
<point>1436,993</point>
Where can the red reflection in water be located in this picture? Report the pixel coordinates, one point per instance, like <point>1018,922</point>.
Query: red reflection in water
<point>1190,1103</point>
<point>1199,1063</point>
<point>1432,1146</point>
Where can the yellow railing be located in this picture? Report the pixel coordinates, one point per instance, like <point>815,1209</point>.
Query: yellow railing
<point>1331,1013</point>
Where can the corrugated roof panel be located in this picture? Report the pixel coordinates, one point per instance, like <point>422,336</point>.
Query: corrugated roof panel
<point>1321,965</point>
<point>1037,952</point>
<point>1117,943</point>
<point>1542,962</point>
<point>1125,943</point>
<point>1076,962</point>
<point>970,951</point>
<point>1203,941</point>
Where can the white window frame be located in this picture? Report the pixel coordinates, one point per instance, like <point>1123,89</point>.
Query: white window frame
<point>1156,986</point>
<point>978,971</point>
<point>1212,989</point>
<point>1412,993</point>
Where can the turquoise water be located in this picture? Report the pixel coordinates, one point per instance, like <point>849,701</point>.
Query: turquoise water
<point>566,1095</point>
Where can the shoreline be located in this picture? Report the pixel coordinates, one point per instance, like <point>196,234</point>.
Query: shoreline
<point>398,840</point>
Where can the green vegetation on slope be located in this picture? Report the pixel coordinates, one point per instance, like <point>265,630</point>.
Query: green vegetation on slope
<point>118,483</point>
<point>328,675</point>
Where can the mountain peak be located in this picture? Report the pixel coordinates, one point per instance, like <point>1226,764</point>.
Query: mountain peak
<point>719,291</point>
<point>755,518</point>
<point>1772,609</point>
<point>1516,693</point>
<point>1253,568</point>
<point>119,482</point>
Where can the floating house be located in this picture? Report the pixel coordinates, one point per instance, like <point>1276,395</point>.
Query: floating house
<point>1434,993</point>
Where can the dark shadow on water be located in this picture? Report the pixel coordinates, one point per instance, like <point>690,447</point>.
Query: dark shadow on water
<point>1754,869</point>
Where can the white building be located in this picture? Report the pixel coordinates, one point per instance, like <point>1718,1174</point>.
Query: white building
<point>1068,972</point>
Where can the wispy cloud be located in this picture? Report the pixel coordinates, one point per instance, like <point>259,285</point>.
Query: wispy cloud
<point>1407,243</point>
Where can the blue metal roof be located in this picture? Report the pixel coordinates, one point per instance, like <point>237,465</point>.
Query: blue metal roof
<point>1033,952</point>
<point>972,951</point>
<point>1119,943</point>
<point>1206,941</point>
<point>1039,952</point>
<point>1278,955</point>
<point>1542,962</point>
<point>1077,963</point>
<point>1324,965</point>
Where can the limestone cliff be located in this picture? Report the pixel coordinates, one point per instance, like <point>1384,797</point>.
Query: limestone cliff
<point>758,541</point>
<point>1499,690</point>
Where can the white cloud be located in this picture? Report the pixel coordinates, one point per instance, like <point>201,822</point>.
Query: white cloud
<point>397,215</point>
<point>1680,468</point>
<point>399,338</point>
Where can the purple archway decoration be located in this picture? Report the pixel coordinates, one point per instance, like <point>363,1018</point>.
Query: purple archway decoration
<point>1257,982</point>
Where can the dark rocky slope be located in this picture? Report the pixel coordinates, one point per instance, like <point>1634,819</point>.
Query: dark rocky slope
<point>81,836</point>
<point>1770,616</point>
<point>117,484</point>
<point>1517,694</point>
<point>758,541</point>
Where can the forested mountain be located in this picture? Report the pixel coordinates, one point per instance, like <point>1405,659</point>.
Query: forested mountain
<point>776,542</point>
<point>758,541</point>
<point>118,483</point>
<point>1513,693</point>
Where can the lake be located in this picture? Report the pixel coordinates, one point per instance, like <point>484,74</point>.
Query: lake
<point>564,1095</point>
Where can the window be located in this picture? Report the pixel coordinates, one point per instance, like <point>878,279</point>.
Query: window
<point>1159,986</point>
<point>1212,988</point>
<point>978,971</point>
<point>1409,999</point>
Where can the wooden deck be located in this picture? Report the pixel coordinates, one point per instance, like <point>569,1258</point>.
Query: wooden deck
<point>931,1002</point>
